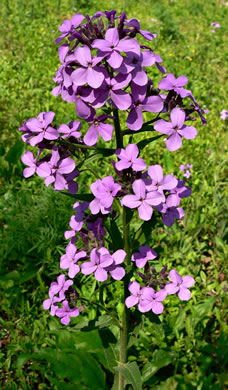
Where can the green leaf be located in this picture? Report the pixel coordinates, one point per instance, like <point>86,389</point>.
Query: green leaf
<point>143,234</point>
<point>14,154</point>
<point>116,236</point>
<point>83,197</point>
<point>161,358</point>
<point>87,326</point>
<point>132,374</point>
<point>108,355</point>
<point>168,162</point>
<point>141,145</point>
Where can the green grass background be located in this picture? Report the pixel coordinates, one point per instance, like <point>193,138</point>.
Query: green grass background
<point>192,335</point>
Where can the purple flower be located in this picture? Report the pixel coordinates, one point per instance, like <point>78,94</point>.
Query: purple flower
<point>160,183</point>
<point>52,303</point>
<point>134,288</point>
<point>176,129</point>
<point>54,170</point>
<point>66,312</point>
<point>76,221</point>
<point>60,286</point>
<point>29,160</point>
<point>224,114</point>
<point>70,130</point>
<point>141,200</point>
<point>98,127</point>
<point>180,285</point>
<point>170,211</point>
<point>170,82</point>
<point>136,29</point>
<point>70,259</point>
<point>215,24</point>
<point>41,126</point>
<point>112,46</point>
<point>100,260</point>
<point>128,158</point>
<point>142,103</point>
<point>117,272</point>
<point>104,191</point>
<point>179,192</point>
<point>69,26</point>
<point>89,73</point>
<point>145,253</point>
<point>151,300</point>
<point>182,167</point>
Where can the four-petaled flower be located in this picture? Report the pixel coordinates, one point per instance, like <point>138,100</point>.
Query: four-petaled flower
<point>180,285</point>
<point>145,253</point>
<point>70,259</point>
<point>66,312</point>
<point>151,300</point>
<point>176,129</point>
<point>128,159</point>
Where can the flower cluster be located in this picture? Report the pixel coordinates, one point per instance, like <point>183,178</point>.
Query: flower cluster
<point>186,170</point>
<point>104,69</point>
<point>148,299</point>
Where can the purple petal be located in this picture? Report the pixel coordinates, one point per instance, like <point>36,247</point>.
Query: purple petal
<point>115,60</point>
<point>88,268</point>
<point>145,211</point>
<point>83,55</point>
<point>100,274</point>
<point>121,99</point>
<point>131,301</point>
<point>184,294</point>
<point>174,142</point>
<point>91,136</point>
<point>118,273</point>
<point>188,132</point>
<point>157,307</point>
<point>156,173</point>
<point>139,188</point>
<point>175,277</point>
<point>171,288</point>
<point>112,36</point>
<point>66,166</point>
<point>119,256</point>
<point>94,78</point>
<point>134,287</point>
<point>188,281</point>
<point>177,117</point>
<point>153,104</point>
<point>163,126</point>
<point>106,131</point>
<point>135,118</point>
<point>79,76</point>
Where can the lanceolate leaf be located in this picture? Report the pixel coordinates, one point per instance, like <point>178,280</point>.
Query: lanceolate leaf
<point>83,197</point>
<point>141,145</point>
<point>132,374</point>
<point>86,326</point>
<point>161,358</point>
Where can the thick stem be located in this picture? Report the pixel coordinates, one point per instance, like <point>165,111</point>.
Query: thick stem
<point>125,314</point>
<point>118,132</point>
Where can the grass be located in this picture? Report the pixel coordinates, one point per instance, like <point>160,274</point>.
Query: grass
<point>192,335</point>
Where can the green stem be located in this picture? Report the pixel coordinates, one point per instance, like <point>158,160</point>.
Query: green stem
<point>82,146</point>
<point>125,314</point>
<point>118,132</point>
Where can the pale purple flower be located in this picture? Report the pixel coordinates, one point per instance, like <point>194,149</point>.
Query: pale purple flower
<point>151,300</point>
<point>100,260</point>
<point>68,26</point>
<point>29,160</point>
<point>169,82</point>
<point>180,285</point>
<point>66,312</point>
<point>60,286</point>
<point>54,170</point>
<point>182,167</point>
<point>224,114</point>
<point>142,103</point>
<point>179,192</point>
<point>104,191</point>
<point>159,183</point>
<point>128,159</point>
<point>112,87</point>
<point>176,129</point>
<point>112,46</point>
<point>145,253</point>
<point>51,303</point>
<point>141,200</point>
<point>70,259</point>
<point>134,288</point>
<point>42,128</point>
<point>117,272</point>
<point>89,73</point>
<point>70,130</point>
<point>215,24</point>
<point>98,127</point>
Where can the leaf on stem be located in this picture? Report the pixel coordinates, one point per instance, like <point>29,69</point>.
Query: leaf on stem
<point>141,145</point>
<point>132,374</point>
